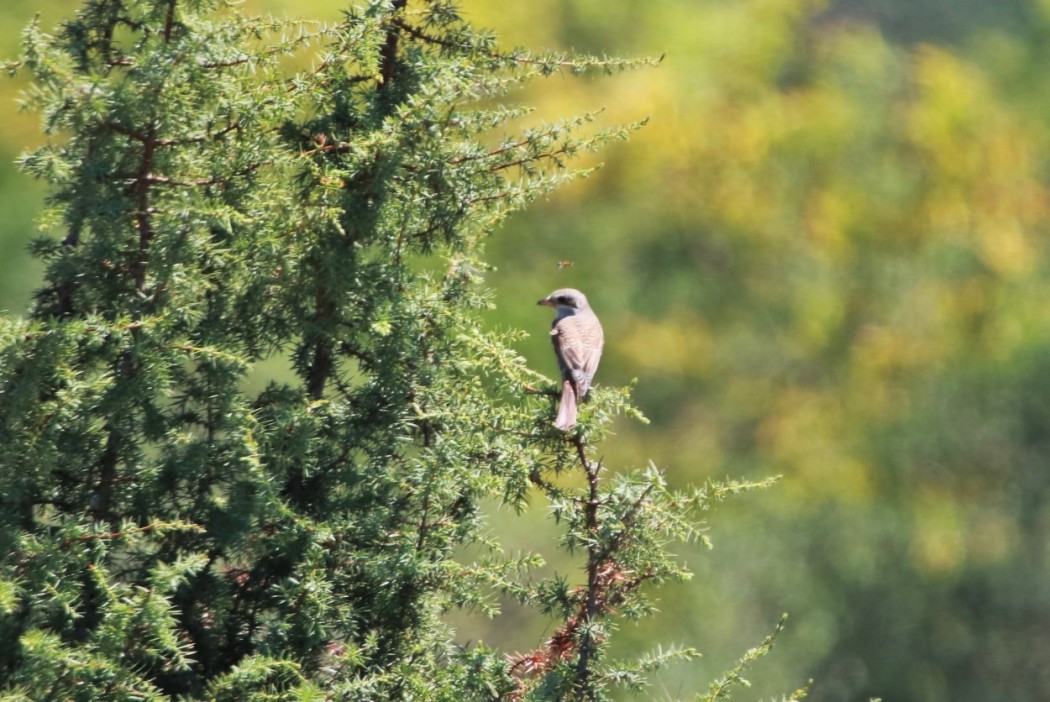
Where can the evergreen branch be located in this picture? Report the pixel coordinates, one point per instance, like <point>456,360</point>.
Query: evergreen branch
<point>107,464</point>
<point>720,689</point>
<point>388,57</point>
<point>419,34</point>
<point>576,64</point>
<point>138,180</point>
<point>627,522</point>
<point>142,137</point>
<point>230,63</point>
<point>322,352</point>
<point>489,154</point>
<point>169,21</point>
<point>527,159</point>
<point>214,180</point>
<point>143,213</point>
<point>546,64</point>
<point>587,642</point>
<point>632,675</point>
<point>211,352</point>
<point>132,531</point>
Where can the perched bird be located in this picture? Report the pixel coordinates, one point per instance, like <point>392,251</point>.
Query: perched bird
<point>578,339</point>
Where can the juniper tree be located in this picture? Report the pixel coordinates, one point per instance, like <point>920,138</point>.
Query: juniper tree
<point>174,522</point>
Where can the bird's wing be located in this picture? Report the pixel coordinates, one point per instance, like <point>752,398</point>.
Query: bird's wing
<point>578,342</point>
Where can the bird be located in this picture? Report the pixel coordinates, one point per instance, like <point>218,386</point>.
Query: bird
<point>578,339</point>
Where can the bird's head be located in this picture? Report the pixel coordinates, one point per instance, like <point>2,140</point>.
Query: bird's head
<point>565,301</point>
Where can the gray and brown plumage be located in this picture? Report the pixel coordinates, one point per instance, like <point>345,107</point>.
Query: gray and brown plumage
<point>578,339</point>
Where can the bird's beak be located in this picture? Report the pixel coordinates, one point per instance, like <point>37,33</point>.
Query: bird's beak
<point>546,302</point>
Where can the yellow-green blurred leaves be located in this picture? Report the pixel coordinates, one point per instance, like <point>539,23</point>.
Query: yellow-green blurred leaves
<point>984,186</point>
<point>678,345</point>
<point>806,436</point>
<point>950,534</point>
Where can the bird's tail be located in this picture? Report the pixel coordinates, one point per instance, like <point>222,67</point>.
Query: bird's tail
<point>567,410</point>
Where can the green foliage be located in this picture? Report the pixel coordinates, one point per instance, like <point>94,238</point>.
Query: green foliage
<point>720,689</point>
<point>169,533</point>
<point>835,244</point>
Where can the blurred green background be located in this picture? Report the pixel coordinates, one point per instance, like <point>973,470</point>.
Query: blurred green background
<point>825,258</point>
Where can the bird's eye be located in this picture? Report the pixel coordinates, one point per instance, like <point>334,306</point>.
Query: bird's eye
<point>563,300</point>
